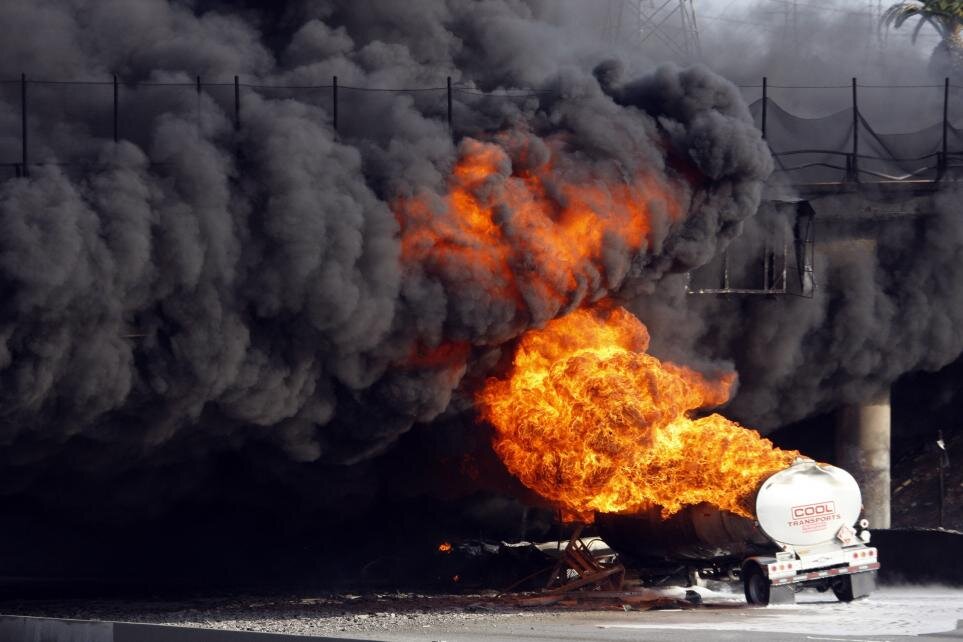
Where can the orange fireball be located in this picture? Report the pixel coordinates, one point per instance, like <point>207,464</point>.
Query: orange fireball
<point>539,236</point>
<point>591,422</point>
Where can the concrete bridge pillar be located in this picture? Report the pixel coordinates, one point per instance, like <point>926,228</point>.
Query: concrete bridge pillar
<point>863,449</point>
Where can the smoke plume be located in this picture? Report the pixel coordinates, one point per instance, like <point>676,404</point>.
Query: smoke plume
<point>203,311</point>
<point>199,288</point>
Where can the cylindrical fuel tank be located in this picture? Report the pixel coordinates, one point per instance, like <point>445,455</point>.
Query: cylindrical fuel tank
<point>701,532</point>
<point>803,506</point>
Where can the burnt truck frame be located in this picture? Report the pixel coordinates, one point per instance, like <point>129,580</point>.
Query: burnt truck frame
<point>806,535</point>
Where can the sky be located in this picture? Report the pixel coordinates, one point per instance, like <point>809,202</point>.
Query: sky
<point>733,14</point>
<point>800,41</point>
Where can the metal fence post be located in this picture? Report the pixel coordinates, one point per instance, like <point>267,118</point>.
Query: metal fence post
<point>23,124</point>
<point>765,101</point>
<point>237,103</point>
<point>116,130</point>
<point>854,166</point>
<point>334,102</point>
<point>198,123</point>
<point>451,130</point>
<point>944,159</point>
<point>766,280</point>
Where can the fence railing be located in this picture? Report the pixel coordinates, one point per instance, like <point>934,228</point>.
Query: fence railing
<point>114,110</point>
<point>861,151</point>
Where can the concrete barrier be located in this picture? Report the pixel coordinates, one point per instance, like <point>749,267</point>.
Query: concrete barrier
<point>33,629</point>
<point>919,556</point>
<point>17,628</point>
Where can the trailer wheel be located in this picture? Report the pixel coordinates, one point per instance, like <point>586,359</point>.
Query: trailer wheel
<point>843,588</point>
<point>756,585</point>
<point>852,587</point>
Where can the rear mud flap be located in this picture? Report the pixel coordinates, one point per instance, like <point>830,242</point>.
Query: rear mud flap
<point>863,584</point>
<point>782,594</point>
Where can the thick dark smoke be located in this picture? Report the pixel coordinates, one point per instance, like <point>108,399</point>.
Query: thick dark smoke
<point>886,303</point>
<point>195,290</point>
<point>887,299</point>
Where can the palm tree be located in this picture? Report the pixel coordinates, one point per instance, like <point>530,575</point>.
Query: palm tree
<point>946,16</point>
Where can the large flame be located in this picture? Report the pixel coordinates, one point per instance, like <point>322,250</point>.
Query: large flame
<point>591,422</point>
<point>532,230</point>
<point>537,229</point>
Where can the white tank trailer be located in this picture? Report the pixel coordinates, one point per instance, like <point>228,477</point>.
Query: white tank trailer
<point>807,533</point>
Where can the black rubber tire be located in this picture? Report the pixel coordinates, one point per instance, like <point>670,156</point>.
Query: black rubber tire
<point>843,588</point>
<point>756,585</point>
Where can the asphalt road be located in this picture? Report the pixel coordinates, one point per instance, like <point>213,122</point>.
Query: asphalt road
<point>889,614</point>
<point>932,613</point>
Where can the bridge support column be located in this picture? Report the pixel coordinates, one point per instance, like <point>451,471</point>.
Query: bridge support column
<point>863,449</point>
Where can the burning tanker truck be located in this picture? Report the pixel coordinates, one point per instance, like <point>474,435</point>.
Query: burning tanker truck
<point>610,434</point>
<point>805,534</point>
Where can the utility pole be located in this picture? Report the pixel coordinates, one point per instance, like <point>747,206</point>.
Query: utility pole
<point>876,11</point>
<point>612,27</point>
<point>792,23</point>
<point>878,34</point>
<point>671,23</point>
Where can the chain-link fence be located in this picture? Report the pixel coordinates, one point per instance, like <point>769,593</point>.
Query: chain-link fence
<point>66,122</point>
<point>854,132</point>
<point>833,133</point>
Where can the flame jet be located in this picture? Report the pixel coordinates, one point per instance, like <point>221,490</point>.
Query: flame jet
<point>591,422</point>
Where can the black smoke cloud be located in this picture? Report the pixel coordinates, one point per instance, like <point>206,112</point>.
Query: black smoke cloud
<point>886,303</point>
<point>886,300</point>
<point>196,290</point>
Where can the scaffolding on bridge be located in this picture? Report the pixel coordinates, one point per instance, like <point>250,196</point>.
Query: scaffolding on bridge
<point>781,264</point>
